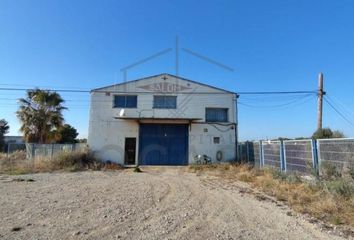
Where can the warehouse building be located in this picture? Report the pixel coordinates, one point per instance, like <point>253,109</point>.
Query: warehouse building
<point>163,120</point>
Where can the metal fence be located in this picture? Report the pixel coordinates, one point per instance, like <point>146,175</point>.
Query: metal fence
<point>34,150</point>
<point>338,152</point>
<point>304,156</point>
<point>23,157</point>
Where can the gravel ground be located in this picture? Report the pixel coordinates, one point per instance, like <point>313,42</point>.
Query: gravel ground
<point>161,203</point>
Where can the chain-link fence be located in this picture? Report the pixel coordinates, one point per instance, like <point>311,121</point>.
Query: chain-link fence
<point>304,156</point>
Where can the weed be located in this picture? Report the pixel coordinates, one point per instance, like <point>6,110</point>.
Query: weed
<point>16,163</point>
<point>341,187</point>
<point>331,200</point>
<point>137,170</point>
<point>330,171</point>
<point>336,220</point>
<point>293,178</point>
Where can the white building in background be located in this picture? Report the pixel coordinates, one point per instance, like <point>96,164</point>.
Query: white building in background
<point>14,139</point>
<point>162,120</point>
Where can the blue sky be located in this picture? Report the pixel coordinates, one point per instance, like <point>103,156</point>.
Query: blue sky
<point>272,45</point>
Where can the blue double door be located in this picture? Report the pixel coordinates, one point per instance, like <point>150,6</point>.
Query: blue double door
<point>163,144</point>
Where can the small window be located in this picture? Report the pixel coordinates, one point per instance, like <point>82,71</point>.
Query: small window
<point>165,102</point>
<point>216,140</point>
<point>216,114</point>
<point>125,101</point>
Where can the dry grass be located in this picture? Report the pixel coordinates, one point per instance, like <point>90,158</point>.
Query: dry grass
<point>16,163</point>
<point>328,200</point>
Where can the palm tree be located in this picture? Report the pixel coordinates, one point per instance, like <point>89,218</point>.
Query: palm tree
<point>40,113</point>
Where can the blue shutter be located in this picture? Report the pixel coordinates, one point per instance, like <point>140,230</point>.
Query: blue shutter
<point>119,101</point>
<point>165,102</point>
<point>131,101</point>
<point>158,101</point>
<point>123,101</point>
<point>170,102</point>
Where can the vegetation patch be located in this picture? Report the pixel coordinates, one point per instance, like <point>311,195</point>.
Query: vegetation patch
<point>137,170</point>
<point>330,199</point>
<point>16,163</point>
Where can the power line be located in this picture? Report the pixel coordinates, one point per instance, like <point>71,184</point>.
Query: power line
<point>104,91</point>
<point>339,113</point>
<point>278,92</point>
<point>52,90</point>
<point>274,98</point>
<point>341,106</point>
<point>292,103</point>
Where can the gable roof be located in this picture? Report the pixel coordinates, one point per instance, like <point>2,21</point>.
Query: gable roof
<point>161,74</point>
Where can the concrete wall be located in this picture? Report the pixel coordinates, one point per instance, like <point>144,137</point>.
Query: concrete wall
<point>201,141</point>
<point>14,139</point>
<point>107,134</point>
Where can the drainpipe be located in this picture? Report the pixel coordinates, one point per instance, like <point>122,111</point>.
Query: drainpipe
<point>236,127</point>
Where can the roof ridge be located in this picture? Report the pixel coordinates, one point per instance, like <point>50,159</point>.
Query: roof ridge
<point>161,74</point>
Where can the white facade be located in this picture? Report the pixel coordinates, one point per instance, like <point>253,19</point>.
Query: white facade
<point>14,139</point>
<point>110,126</point>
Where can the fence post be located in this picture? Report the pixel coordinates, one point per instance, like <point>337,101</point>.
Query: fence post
<point>51,154</point>
<point>241,153</point>
<point>8,150</point>
<point>8,156</point>
<point>247,152</point>
<point>261,154</point>
<point>315,152</point>
<point>33,152</point>
<point>282,156</point>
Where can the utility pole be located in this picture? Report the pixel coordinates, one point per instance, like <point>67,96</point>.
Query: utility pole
<point>320,101</point>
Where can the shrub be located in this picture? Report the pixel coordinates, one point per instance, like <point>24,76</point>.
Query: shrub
<point>330,171</point>
<point>277,174</point>
<point>110,166</point>
<point>293,178</point>
<point>137,170</point>
<point>14,162</point>
<point>341,187</point>
<point>75,160</point>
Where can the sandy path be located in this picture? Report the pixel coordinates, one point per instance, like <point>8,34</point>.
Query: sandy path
<point>167,203</point>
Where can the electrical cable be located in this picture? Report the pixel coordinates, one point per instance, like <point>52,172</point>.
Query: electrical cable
<point>338,112</point>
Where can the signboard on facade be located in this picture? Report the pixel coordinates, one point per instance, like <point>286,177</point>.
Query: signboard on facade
<point>165,87</point>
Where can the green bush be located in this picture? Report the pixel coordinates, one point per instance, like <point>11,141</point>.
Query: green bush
<point>341,187</point>
<point>277,174</point>
<point>293,178</point>
<point>330,171</point>
<point>137,170</point>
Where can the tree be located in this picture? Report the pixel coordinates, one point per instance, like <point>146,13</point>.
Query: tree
<point>82,140</point>
<point>67,134</point>
<point>40,113</point>
<point>327,133</point>
<point>4,128</point>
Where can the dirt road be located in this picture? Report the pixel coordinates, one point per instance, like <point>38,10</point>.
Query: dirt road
<point>168,203</point>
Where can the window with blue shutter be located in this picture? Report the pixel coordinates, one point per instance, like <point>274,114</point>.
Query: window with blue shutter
<point>125,101</point>
<point>165,102</point>
<point>216,114</point>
